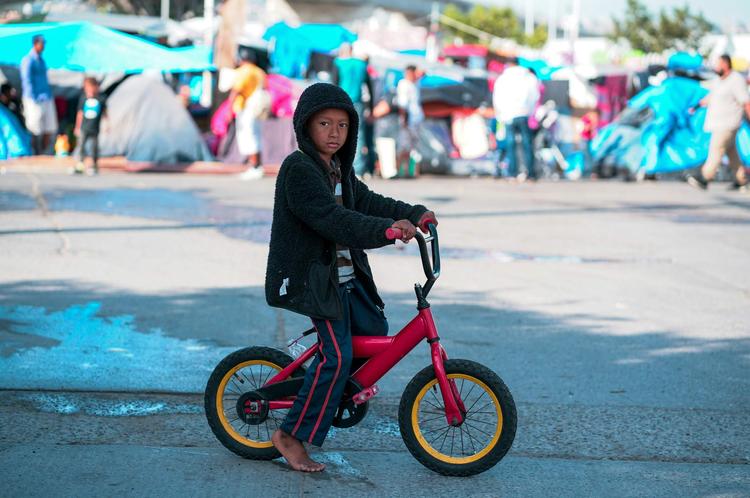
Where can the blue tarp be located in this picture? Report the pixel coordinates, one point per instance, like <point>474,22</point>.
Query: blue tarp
<point>86,47</point>
<point>542,70</point>
<point>293,46</point>
<point>685,61</point>
<point>670,139</point>
<point>15,141</point>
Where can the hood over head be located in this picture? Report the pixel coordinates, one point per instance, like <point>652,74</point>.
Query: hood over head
<point>315,98</point>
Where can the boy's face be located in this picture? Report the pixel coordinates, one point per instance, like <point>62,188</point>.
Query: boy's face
<point>328,130</point>
<point>90,89</point>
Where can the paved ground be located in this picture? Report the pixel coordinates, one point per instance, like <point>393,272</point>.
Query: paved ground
<point>616,313</point>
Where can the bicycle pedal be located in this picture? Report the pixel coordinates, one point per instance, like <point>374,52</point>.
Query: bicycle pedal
<point>365,394</point>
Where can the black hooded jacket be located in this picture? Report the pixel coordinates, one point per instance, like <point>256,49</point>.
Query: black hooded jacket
<point>301,275</point>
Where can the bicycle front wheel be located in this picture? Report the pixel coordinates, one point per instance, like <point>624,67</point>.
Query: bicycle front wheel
<point>477,444</point>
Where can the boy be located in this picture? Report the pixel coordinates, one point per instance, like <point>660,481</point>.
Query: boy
<point>323,219</point>
<point>90,111</point>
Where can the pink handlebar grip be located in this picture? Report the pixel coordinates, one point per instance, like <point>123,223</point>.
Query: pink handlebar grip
<point>392,233</point>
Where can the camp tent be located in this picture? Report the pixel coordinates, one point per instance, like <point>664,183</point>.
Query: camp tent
<point>86,47</point>
<point>292,47</point>
<point>15,141</point>
<point>145,121</point>
<point>657,134</point>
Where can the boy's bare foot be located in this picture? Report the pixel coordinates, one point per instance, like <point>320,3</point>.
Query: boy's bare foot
<point>295,454</point>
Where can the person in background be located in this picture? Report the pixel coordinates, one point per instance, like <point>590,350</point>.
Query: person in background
<point>514,98</point>
<point>728,100</point>
<point>39,109</point>
<point>409,101</point>
<point>91,108</point>
<point>590,124</point>
<point>249,82</point>
<point>9,98</point>
<point>350,73</point>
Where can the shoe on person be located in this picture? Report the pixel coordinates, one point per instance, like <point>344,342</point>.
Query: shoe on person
<point>253,173</point>
<point>78,169</point>
<point>738,187</point>
<point>92,171</point>
<point>521,177</point>
<point>698,182</point>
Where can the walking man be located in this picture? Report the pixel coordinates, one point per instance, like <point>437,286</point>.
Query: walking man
<point>727,102</point>
<point>411,115</point>
<point>350,73</point>
<point>39,109</point>
<point>514,98</point>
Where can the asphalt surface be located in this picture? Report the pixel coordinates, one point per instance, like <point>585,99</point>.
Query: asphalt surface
<point>616,314</point>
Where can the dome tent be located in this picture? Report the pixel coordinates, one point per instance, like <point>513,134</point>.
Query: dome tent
<point>146,122</point>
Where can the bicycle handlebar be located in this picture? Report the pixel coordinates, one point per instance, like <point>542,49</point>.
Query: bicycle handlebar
<point>431,268</point>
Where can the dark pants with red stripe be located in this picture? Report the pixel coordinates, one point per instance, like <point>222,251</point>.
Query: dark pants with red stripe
<point>318,400</point>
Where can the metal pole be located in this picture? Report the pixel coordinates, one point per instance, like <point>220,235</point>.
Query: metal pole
<point>574,29</point>
<point>529,20</point>
<point>208,39</point>
<point>431,52</point>
<point>164,10</point>
<point>552,22</point>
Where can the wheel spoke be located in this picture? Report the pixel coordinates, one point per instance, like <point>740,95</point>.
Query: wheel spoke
<point>440,432</point>
<point>471,438</point>
<point>476,401</point>
<point>490,402</point>
<point>251,382</point>
<point>478,429</point>
<point>271,370</point>
<point>445,438</point>
<point>453,439</point>
<point>462,439</point>
<point>438,417</point>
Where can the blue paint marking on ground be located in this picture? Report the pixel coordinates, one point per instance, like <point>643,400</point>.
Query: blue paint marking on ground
<point>339,463</point>
<point>16,201</point>
<point>101,353</point>
<point>68,404</point>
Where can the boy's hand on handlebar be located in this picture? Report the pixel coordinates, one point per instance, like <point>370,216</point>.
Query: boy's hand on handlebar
<point>408,230</point>
<point>427,218</point>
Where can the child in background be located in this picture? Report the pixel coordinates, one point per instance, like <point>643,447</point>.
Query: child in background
<point>90,110</point>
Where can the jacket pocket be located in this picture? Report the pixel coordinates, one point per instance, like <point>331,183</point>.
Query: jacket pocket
<point>322,294</point>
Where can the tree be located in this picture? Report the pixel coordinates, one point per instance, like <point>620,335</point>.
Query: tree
<point>681,29</point>
<point>684,30</point>
<point>501,22</point>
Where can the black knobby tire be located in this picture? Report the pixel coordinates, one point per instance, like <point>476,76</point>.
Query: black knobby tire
<point>429,456</point>
<point>244,447</point>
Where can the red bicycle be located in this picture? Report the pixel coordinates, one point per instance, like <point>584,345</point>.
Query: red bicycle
<point>456,417</point>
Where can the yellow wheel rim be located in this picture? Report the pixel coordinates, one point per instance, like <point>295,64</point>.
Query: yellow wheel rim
<point>220,392</point>
<point>489,431</point>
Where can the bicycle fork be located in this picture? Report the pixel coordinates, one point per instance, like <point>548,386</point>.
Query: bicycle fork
<point>454,405</point>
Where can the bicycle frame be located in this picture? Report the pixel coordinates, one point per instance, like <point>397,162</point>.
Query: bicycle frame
<point>384,352</point>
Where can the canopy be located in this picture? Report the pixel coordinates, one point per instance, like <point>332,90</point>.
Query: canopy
<point>293,46</point>
<point>87,47</point>
<point>657,134</point>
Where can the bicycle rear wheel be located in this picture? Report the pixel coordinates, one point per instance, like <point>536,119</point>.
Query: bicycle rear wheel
<point>477,444</point>
<point>233,378</point>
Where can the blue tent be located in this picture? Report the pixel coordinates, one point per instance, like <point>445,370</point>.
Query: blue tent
<point>15,141</point>
<point>87,47</point>
<point>667,138</point>
<point>293,46</point>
